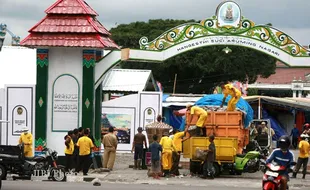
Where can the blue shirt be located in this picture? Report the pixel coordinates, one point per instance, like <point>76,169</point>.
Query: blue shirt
<point>283,159</point>
<point>154,148</point>
<point>295,132</point>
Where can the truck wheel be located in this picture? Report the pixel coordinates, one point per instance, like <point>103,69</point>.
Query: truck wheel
<point>217,169</point>
<point>3,172</point>
<point>195,167</point>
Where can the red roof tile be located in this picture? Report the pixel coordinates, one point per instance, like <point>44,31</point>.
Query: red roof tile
<point>73,24</point>
<point>71,7</point>
<point>69,40</point>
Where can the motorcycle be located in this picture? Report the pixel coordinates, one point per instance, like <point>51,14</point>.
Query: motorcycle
<point>12,160</point>
<point>273,174</point>
<point>249,162</point>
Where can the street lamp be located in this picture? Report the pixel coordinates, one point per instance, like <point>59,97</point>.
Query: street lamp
<point>227,50</point>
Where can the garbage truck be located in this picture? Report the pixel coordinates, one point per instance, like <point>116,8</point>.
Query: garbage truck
<point>231,138</point>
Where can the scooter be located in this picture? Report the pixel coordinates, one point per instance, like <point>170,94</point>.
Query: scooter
<point>273,175</point>
<point>249,162</point>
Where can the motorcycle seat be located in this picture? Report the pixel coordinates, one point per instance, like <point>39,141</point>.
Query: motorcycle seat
<point>37,158</point>
<point>9,156</point>
<point>241,155</point>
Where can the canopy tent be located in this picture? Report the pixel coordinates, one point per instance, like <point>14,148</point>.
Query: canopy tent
<point>296,103</point>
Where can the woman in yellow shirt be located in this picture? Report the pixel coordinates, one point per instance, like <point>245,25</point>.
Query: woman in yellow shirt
<point>69,149</point>
<point>303,157</point>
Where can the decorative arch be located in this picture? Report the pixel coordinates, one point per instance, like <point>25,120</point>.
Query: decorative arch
<point>228,28</point>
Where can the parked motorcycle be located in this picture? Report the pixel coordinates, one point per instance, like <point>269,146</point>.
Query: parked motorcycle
<point>249,162</point>
<point>12,160</point>
<point>273,175</point>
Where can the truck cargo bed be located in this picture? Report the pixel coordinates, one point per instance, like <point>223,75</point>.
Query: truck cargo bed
<point>226,148</point>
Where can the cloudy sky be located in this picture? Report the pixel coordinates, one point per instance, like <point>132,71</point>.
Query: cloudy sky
<point>292,17</point>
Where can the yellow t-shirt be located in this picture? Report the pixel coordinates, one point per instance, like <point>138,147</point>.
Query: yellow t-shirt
<point>167,143</point>
<point>26,139</point>
<point>198,111</point>
<point>70,150</point>
<point>228,91</point>
<point>303,149</point>
<point>85,144</point>
<point>177,140</point>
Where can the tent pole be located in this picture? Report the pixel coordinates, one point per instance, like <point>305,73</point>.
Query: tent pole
<point>259,108</point>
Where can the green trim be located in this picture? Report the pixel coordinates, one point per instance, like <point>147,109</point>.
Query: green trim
<point>88,95</point>
<point>41,94</point>
<point>98,107</point>
<point>113,65</point>
<point>209,27</point>
<point>53,101</point>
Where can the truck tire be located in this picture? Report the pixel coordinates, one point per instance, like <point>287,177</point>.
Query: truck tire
<point>3,172</point>
<point>195,167</point>
<point>217,169</point>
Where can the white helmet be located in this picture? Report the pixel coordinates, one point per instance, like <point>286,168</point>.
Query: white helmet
<point>304,136</point>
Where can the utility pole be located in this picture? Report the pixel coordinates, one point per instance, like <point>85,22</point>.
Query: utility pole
<point>175,82</point>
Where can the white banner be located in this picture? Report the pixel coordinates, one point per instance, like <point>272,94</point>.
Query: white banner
<point>65,115</point>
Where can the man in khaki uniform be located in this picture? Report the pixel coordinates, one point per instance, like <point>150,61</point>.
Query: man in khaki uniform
<point>109,142</point>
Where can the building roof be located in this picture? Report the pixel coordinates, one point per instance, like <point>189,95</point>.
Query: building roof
<point>296,103</point>
<point>70,23</point>
<point>127,80</point>
<point>180,99</point>
<point>70,7</point>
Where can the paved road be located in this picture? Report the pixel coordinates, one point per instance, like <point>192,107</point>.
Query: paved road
<point>31,185</point>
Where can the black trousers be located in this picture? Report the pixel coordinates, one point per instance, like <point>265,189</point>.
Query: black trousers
<point>198,132</point>
<point>294,142</point>
<point>302,162</point>
<point>138,152</point>
<point>175,164</point>
<point>208,169</point>
<point>69,162</point>
<point>84,163</point>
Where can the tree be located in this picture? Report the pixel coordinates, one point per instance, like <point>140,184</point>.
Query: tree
<point>199,70</point>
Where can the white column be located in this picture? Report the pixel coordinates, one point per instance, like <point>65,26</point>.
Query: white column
<point>294,93</point>
<point>299,93</point>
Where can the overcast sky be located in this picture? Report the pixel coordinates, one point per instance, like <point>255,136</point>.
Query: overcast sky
<point>292,17</point>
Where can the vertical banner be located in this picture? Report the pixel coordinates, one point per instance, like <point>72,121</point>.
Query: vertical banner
<point>19,112</point>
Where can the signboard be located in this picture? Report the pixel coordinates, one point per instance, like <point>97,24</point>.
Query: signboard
<point>19,119</point>
<point>227,40</point>
<point>65,110</point>
<point>229,15</point>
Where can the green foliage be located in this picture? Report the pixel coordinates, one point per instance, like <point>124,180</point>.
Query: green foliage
<point>252,91</point>
<point>199,70</point>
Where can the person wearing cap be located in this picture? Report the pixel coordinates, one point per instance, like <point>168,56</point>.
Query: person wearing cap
<point>208,169</point>
<point>26,139</point>
<point>168,147</point>
<point>303,157</point>
<point>235,94</point>
<point>137,146</point>
<point>202,114</point>
<point>265,129</point>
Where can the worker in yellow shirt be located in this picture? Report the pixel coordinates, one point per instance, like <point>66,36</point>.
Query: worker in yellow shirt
<point>26,139</point>
<point>168,147</point>
<point>235,94</point>
<point>303,157</point>
<point>202,114</point>
<point>177,141</point>
<point>69,150</point>
<point>85,145</point>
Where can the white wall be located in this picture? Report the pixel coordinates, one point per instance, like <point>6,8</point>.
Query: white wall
<point>17,66</point>
<point>62,61</point>
<point>136,105</point>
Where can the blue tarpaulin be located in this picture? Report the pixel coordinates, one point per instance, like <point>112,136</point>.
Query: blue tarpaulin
<point>275,125</point>
<point>216,100</point>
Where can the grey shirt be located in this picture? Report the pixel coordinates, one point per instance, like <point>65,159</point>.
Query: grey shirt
<point>211,155</point>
